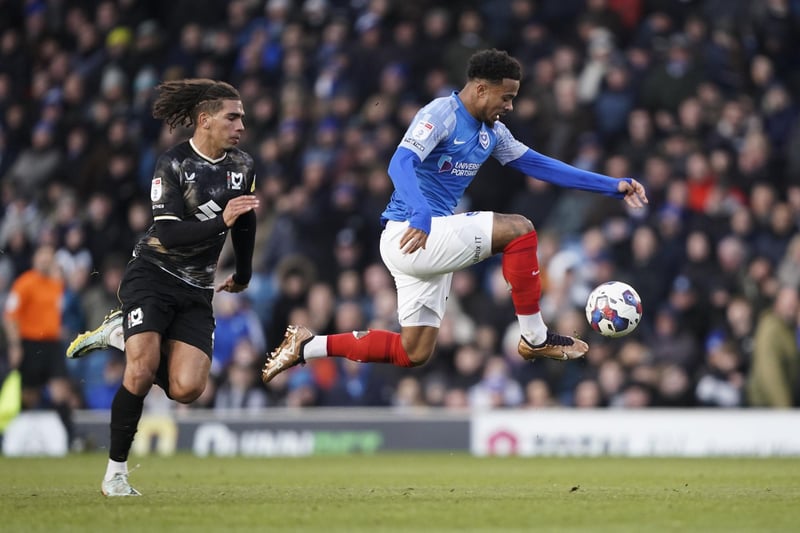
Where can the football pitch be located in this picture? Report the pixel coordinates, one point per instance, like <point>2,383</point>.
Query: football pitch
<point>404,492</point>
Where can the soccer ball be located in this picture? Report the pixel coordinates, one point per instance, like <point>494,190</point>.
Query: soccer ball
<point>614,309</point>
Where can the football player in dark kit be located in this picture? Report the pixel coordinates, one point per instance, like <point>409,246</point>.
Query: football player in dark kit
<point>201,189</point>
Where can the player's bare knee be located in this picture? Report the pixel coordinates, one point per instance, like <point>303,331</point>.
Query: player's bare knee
<point>185,392</point>
<point>184,398</point>
<point>507,228</point>
<point>419,357</point>
<point>418,360</point>
<point>139,378</point>
<point>520,225</point>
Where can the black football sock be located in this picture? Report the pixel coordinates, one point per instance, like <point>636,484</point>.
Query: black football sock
<point>126,410</point>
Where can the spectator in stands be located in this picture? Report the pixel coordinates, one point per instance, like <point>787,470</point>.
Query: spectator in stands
<point>37,165</point>
<point>409,394</point>
<point>674,79</point>
<point>587,395</point>
<point>102,383</point>
<point>772,380</point>
<point>240,388</point>
<point>721,382</point>
<point>235,323</point>
<point>357,385</point>
<point>496,388</point>
<point>789,267</point>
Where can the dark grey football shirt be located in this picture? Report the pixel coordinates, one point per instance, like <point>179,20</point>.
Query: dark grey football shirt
<point>188,186</point>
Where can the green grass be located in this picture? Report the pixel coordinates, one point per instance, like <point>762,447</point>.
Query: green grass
<point>405,492</point>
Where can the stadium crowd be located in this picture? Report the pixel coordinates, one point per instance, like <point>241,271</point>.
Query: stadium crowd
<point>698,100</point>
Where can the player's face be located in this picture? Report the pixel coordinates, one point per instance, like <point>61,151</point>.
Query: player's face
<point>226,125</point>
<point>497,99</point>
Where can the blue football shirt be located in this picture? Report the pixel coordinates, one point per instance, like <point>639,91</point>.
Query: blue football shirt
<point>443,149</point>
<point>451,145</point>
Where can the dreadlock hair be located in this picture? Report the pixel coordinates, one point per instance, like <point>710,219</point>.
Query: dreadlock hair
<point>493,65</point>
<point>180,102</point>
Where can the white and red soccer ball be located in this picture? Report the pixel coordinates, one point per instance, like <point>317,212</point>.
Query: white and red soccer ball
<point>614,309</point>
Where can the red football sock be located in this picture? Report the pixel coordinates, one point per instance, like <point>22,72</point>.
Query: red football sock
<point>377,346</point>
<point>521,270</point>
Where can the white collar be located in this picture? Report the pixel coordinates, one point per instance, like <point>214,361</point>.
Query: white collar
<point>204,156</point>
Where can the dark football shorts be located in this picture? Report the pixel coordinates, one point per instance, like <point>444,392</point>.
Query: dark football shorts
<point>41,362</point>
<point>155,300</point>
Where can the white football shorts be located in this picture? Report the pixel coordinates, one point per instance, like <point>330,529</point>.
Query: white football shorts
<point>423,278</point>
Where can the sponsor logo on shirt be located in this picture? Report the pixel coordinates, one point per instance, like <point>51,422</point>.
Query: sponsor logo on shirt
<point>208,210</point>
<point>415,144</point>
<point>459,168</point>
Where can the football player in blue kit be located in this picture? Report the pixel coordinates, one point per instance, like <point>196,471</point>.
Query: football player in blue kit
<point>424,241</point>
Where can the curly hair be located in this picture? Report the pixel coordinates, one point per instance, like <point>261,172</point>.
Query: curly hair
<point>181,101</point>
<point>493,65</point>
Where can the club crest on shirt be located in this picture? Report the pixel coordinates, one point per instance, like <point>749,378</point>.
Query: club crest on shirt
<point>422,130</point>
<point>156,189</point>
<point>235,180</point>
<point>483,138</point>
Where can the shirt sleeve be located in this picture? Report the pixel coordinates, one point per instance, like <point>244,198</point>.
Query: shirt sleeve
<point>553,171</point>
<point>172,233</point>
<point>243,238</point>
<point>166,196</point>
<point>402,171</point>
<point>431,124</point>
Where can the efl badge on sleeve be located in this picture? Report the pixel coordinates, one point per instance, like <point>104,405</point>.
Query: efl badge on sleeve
<point>155,190</point>
<point>422,130</point>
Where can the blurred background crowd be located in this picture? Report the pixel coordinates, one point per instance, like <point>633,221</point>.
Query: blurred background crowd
<point>696,99</point>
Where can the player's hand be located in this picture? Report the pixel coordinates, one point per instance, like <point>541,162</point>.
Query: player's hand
<point>634,193</point>
<point>230,286</point>
<point>237,207</point>
<point>413,239</point>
